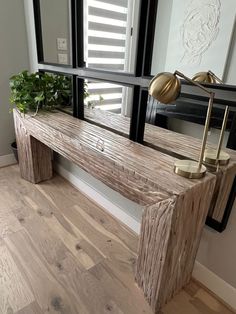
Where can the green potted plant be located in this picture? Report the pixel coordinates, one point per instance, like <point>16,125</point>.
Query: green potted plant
<point>33,91</point>
<point>38,91</point>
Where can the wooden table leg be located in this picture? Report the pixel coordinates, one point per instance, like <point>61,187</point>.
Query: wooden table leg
<point>170,235</point>
<point>35,158</point>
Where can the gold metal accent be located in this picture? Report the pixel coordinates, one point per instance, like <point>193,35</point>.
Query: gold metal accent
<point>166,87</point>
<point>189,169</point>
<point>215,156</point>
<point>204,77</point>
<point>210,157</point>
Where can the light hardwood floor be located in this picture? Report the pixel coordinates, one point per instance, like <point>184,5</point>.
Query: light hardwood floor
<point>61,253</point>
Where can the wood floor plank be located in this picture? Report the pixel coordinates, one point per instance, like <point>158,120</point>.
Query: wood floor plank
<point>63,266</point>
<point>83,250</point>
<point>114,286</point>
<point>50,294</point>
<point>195,300</point>
<point>33,308</point>
<point>67,233</point>
<point>73,256</point>
<point>14,291</point>
<point>108,243</point>
<point>8,223</point>
<point>69,193</point>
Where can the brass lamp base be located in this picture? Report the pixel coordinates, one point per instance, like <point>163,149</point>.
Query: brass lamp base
<point>210,157</point>
<point>189,169</point>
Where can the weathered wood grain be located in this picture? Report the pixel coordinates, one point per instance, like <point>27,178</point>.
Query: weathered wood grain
<point>34,156</point>
<point>50,294</point>
<point>33,308</point>
<point>170,235</point>
<point>195,299</point>
<point>177,145</point>
<point>108,120</point>
<point>14,291</point>
<point>139,173</point>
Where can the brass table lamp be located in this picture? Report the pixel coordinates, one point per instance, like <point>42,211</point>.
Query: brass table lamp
<point>165,87</point>
<point>215,156</point>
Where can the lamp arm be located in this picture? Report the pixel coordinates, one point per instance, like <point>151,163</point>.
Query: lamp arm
<point>194,83</point>
<point>208,116</point>
<point>215,77</point>
<point>206,129</point>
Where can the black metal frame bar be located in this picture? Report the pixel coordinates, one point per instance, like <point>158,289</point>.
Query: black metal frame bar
<point>220,226</point>
<point>38,30</point>
<point>39,35</point>
<point>139,80</point>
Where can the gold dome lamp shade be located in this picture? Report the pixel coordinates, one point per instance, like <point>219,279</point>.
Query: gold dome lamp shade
<point>166,87</point>
<point>215,157</point>
<point>204,77</point>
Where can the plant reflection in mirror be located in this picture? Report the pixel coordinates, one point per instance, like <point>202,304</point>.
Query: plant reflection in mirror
<point>40,90</point>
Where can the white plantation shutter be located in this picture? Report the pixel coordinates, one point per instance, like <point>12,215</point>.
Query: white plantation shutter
<point>108,27</point>
<point>105,96</point>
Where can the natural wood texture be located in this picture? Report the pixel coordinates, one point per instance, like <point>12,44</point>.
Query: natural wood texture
<point>194,299</point>
<point>159,273</point>
<point>33,308</point>
<point>37,277</point>
<point>177,145</point>
<point>140,174</point>
<point>14,292</point>
<point>59,226</point>
<point>109,120</point>
<point>189,147</point>
<point>35,157</point>
<point>137,172</point>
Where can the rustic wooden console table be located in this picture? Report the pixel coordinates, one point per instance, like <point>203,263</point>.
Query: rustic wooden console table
<point>174,208</point>
<point>183,147</point>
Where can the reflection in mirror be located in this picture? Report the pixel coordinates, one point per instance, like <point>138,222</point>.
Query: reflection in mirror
<point>168,127</point>
<point>110,34</point>
<point>55,22</point>
<point>195,36</point>
<point>108,105</point>
<point>61,89</point>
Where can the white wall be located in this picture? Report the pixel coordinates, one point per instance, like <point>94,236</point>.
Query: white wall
<point>217,252</point>
<point>13,59</point>
<point>161,44</point>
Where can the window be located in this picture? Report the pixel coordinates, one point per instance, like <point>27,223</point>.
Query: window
<point>110,34</point>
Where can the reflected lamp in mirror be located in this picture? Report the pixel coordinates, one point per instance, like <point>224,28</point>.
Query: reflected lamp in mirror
<point>215,156</point>
<point>166,87</point>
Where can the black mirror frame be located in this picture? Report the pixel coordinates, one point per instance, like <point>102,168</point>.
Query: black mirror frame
<point>39,35</point>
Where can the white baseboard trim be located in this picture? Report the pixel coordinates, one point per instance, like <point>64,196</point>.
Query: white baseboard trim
<point>215,284</point>
<point>7,160</point>
<point>211,281</point>
<point>98,198</point>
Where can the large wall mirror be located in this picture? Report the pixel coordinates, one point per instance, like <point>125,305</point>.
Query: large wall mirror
<point>63,92</point>
<point>110,34</point>
<point>108,105</point>
<point>194,36</point>
<point>55,31</point>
